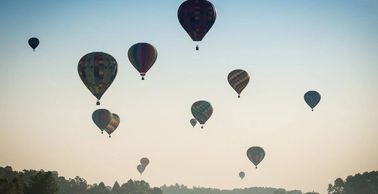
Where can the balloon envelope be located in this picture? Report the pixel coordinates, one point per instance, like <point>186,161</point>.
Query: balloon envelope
<point>202,111</point>
<point>144,161</point>
<point>238,79</point>
<point>97,70</point>
<point>256,155</point>
<point>196,17</point>
<point>113,124</point>
<point>193,122</point>
<point>102,118</point>
<point>33,42</point>
<point>241,174</point>
<point>142,56</point>
<point>312,98</point>
<point>140,168</point>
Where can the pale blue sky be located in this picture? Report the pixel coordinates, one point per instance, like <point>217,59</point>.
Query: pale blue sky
<point>288,47</point>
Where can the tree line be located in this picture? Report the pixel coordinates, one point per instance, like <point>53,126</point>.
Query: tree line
<point>49,182</point>
<point>366,183</point>
<point>42,182</point>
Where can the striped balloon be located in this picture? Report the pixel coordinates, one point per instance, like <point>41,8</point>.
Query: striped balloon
<point>202,111</point>
<point>97,70</point>
<point>255,154</point>
<point>312,99</point>
<point>238,79</point>
<point>102,118</point>
<point>142,56</point>
<point>197,17</point>
<point>112,126</point>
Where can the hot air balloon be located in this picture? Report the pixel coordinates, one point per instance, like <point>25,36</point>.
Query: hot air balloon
<point>193,122</point>
<point>255,155</point>
<point>202,111</point>
<point>140,168</point>
<point>102,118</point>
<point>142,56</point>
<point>33,42</point>
<point>312,98</point>
<point>112,126</point>
<point>196,17</point>
<point>97,70</point>
<point>238,79</point>
<point>144,161</point>
<point>241,175</point>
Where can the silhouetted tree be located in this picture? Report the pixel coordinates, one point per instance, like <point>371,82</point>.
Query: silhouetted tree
<point>10,187</point>
<point>337,188</point>
<point>42,183</point>
<point>116,188</point>
<point>99,189</point>
<point>366,183</point>
<point>156,190</point>
<point>136,187</point>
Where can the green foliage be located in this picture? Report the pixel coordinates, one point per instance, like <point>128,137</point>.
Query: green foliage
<point>366,183</point>
<point>280,191</point>
<point>10,187</point>
<point>40,182</point>
<point>116,188</point>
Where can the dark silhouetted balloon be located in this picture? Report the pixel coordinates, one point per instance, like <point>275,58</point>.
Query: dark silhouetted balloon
<point>112,126</point>
<point>255,155</point>
<point>196,17</point>
<point>202,111</point>
<point>142,56</point>
<point>144,161</point>
<point>102,118</point>
<point>241,175</point>
<point>33,42</point>
<point>238,79</point>
<point>193,122</point>
<point>312,98</point>
<point>97,70</point>
<point>140,168</point>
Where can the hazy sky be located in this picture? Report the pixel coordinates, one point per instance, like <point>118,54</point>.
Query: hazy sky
<point>288,47</point>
